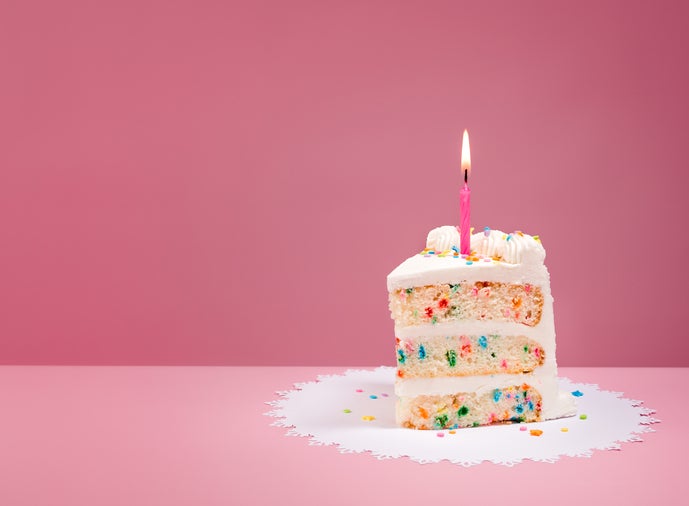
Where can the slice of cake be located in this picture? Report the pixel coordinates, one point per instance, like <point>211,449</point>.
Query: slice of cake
<point>475,333</point>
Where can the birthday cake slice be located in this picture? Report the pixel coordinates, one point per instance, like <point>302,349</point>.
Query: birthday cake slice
<point>475,333</point>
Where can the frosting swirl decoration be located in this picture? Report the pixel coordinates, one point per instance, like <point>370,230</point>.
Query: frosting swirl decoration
<point>443,238</point>
<point>513,248</point>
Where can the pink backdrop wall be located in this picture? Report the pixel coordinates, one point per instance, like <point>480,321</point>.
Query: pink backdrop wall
<point>229,183</point>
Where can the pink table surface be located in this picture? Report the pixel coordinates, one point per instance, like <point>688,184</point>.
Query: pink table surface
<point>197,436</point>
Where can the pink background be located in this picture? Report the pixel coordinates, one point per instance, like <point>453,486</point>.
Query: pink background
<point>181,436</point>
<point>230,183</point>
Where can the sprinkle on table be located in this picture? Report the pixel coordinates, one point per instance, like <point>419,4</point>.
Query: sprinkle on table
<point>359,390</point>
<point>346,410</point>
<point>583,417</point>
<point>577,393</point>
<point>535,432</point>
<point>453,432</point>
<point>368,418</point>
<point>522,428</point>
<point>564,429</point>
<point>373,396</point>
<point>440,434</point>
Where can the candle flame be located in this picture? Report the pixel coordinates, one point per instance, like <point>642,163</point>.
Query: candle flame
<point>466,154</point>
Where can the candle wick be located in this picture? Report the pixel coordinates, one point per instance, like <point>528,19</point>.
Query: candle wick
<point>466,174</point>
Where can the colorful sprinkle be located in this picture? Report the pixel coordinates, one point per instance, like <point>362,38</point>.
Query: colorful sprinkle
<point>469,262</point>
<point>401,357</point>
<point>454,288</point>
<point>577,393</point>
<point>522,428</point>
<point>429,311</point>
<point>346,410</point>
<point>455,249</point>
<point>384,395</point>
<point>497,394</point>
<point>440,434</point>
<point>583,417</point>
<point>486,231</point>
<point>564,429</point>
<point>483,342</point>
<point>409,291</point>
<point>451,356</point>
<point>453,432</point>
<point>372,396</point>
<point>368,418</point>
<point>535,432</point>
<point>422,352</point>
<point>463,411</point>
<point>441,420</point>
<point>359,390</point>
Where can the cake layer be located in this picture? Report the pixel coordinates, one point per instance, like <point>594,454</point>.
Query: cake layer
<point>555,403</point>
<point>478,300</point>
<point>515,403</point>
<point>467,355</point>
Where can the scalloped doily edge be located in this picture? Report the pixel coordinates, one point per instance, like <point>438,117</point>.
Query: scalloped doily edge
<point>644,427</point>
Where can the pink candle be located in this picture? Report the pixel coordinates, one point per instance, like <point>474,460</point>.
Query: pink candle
<point>465,219</point>
<point>465,199</point>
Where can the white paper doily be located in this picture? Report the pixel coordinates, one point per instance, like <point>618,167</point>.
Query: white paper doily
<point>355,411</point>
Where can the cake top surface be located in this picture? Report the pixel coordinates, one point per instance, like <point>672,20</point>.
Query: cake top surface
<point>495,256</point>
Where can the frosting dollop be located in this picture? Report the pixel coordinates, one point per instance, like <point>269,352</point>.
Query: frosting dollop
<point>514,248</point>
<point>443,238</point>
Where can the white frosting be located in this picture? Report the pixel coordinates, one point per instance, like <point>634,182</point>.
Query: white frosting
<point>512,248</point>
<point>521,261</point>
<point>443,238</point>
